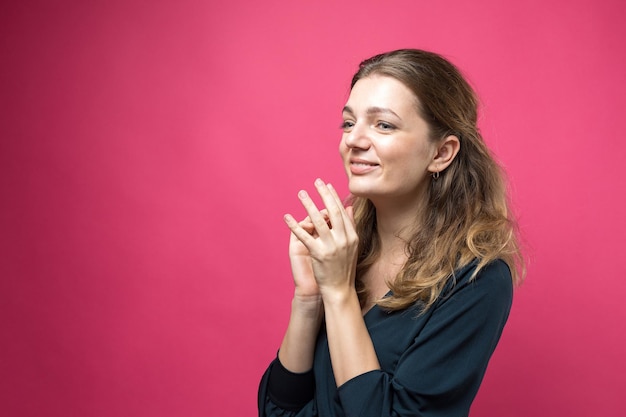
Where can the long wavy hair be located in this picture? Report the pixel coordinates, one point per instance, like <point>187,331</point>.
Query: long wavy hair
<point>467,215</point>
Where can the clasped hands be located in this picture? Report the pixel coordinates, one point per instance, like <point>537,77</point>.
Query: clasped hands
<point>323,247</point>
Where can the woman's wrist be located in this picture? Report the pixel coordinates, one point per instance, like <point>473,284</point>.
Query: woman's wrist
<point>339,297</point>
<point>296,351</point>
<point>307,306</point>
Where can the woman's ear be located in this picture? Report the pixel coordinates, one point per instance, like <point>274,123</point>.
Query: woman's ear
<point>446,152</point>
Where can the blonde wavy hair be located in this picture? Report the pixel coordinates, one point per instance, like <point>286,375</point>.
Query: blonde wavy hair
<point>467,215</point>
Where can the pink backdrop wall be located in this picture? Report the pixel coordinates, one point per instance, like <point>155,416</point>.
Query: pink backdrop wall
<point>149,149</point>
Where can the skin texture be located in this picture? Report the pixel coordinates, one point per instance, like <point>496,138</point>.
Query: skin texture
<point>389,157</point>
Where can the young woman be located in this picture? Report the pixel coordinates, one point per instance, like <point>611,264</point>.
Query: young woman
<point>401,297</point>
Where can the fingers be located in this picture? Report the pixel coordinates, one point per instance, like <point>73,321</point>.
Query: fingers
<point>308,229</point>
<point>333,204</point>
<point>308,225</point>
<point>319,218</point>
<point>346,211</point>
<point>350,212</point>
<point>319,223</point>
<point>307,237</point>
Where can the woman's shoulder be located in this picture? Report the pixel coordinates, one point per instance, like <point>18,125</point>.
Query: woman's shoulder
<point>495,269</point>
<point>493,279</point>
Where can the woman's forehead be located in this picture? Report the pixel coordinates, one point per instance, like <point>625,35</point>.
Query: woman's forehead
<point>380,92</point>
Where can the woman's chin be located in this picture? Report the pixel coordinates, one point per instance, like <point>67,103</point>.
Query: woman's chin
<point>360,191</point>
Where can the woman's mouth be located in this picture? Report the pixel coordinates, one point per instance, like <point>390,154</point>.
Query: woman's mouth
<point>359,167</point>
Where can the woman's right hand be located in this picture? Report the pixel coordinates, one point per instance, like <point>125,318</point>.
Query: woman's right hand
<point>296,351</point>
<point>301,267</point>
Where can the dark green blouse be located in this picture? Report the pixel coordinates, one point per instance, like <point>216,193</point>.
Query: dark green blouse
<point>431,364</point>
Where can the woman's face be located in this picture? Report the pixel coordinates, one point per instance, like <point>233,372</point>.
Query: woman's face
<point>385,145</point>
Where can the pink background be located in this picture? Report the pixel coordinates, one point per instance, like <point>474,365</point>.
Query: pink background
<point>150,148</point>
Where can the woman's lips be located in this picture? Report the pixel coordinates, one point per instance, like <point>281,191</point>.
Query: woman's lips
<point>358,167</point>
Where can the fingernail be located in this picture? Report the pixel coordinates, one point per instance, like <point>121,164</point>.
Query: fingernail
<point>319,182</point>
<point>302,194</point>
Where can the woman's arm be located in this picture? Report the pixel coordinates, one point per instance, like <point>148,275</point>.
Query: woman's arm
<point>289,382</point>
<point>298,346</point>
<point>351,349</point>
<point>333,251</point>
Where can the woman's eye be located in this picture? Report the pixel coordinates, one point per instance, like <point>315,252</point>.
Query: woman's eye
<point>347,124</point>
<point>385,126</point>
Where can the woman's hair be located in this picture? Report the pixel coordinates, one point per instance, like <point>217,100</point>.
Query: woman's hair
<point>466,214</point>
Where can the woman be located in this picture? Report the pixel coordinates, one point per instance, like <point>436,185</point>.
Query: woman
<point>401,297</point>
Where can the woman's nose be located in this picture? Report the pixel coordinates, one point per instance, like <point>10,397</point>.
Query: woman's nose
<point>357,137</point>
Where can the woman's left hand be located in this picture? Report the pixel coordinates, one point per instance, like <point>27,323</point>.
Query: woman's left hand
<point>334,245</point>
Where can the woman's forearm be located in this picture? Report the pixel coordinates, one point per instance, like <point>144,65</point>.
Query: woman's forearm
<point>298,346</point>
<point>351,349</point>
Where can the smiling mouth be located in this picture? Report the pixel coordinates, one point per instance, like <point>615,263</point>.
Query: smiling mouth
<point>362,162</point>
<point>360,167</point>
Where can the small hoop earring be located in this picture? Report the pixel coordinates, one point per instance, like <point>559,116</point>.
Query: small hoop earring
<point>436,175</point>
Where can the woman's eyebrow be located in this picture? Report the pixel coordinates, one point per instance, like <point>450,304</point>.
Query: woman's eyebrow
<point>347,109</point>
<point>373,110</point>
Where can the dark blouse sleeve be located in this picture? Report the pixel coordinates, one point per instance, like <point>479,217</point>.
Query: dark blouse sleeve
<point>440,373</point>
<point>284,393</point>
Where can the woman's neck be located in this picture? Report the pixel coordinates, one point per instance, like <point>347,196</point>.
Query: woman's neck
<point>396,223</point>
<point>394,230</point>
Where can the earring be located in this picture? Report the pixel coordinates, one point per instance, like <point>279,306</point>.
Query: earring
<point>436,175</point>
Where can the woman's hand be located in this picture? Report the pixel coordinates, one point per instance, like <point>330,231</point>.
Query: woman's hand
<point>298,346</point>
<point>330,238</point>
<point>332,244</point>
<point>301,268</point>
